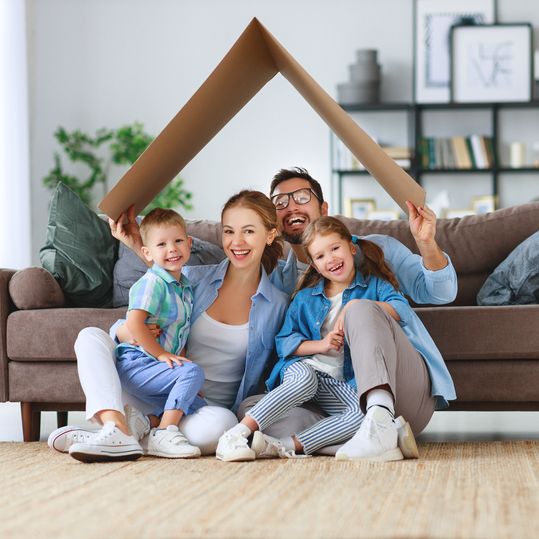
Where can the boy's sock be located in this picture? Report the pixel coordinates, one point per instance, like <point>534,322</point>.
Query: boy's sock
<point>240,428</point>
<point>383,398</point>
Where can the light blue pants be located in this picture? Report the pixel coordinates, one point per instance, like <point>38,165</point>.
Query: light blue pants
<point>162,387</point>
<point>302,383</point>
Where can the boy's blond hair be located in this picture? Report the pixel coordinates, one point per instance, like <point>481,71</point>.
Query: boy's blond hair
<point>160,217</point>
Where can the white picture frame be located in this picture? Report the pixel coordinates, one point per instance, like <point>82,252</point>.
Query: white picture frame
<point>484,204</point>
<point>433,20</point>
<point>359,208</point>
<point>492,63</point>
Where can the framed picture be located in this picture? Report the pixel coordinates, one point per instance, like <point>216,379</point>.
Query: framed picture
<point>384,215</point>
<point>433,20</point>
<point>492,63</point>
<point>359,208</point>
<point>484,204</point>
<point>453,214</point>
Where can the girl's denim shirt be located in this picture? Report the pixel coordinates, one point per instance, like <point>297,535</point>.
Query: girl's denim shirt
<point>310,307</point>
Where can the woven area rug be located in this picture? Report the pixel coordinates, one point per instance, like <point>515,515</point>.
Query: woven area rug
<point>466,490</point>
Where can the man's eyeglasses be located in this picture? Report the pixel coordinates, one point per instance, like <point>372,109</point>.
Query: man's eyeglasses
<point>300,196</point>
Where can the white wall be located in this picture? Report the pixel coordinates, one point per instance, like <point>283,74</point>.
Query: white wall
<point>96,63</point>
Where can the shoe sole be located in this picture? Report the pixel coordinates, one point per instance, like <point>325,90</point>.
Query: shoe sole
<point>170,456</point>
<point>407,442</point>
<point>236,458</point>
<point>105,457</point>
<point>388,456</point>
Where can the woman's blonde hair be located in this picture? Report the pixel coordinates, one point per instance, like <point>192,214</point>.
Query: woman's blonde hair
<point>264,208</point>
<point>372,261</point>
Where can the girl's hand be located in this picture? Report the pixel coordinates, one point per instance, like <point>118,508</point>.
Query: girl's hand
<point>172,359</point>
<point>332,341</point>
<point>422,222</point>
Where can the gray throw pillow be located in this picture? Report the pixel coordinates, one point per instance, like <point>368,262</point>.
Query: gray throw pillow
<point>79,251</point>
<point>129,267</point>
<point>516,280</point>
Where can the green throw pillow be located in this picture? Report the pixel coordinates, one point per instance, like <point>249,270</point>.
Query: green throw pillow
<point>79,251</point>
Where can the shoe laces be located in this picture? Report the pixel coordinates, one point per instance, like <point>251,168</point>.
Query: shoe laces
<point>78,436</point>
<point>236,441</point>
<point>106,432</point>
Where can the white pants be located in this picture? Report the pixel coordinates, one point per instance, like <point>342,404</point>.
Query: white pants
<point>101,385</point>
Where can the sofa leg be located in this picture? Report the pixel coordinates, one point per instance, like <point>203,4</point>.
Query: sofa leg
<point>31,422</point>
<point>61,419</point>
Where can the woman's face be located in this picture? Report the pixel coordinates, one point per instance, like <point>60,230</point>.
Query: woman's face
<point>245,237</point>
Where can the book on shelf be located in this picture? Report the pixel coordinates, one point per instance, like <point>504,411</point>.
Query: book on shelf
<point>458,152</point>
<point>345,160</point>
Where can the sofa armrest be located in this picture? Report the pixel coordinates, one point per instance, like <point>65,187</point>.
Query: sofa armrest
<point>6,306</point>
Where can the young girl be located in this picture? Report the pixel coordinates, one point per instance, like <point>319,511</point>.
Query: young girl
<point>315,363</point>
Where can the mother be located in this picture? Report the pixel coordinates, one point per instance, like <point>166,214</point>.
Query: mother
<point>236,315</point>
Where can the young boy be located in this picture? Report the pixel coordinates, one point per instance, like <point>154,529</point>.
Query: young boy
<point>154,370</point>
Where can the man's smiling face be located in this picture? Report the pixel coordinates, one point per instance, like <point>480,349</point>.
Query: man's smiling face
<point>295,218</point>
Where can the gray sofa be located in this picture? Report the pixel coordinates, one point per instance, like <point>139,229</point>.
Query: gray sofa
<point>491,352</point>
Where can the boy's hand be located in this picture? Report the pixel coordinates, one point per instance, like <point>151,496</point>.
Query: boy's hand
<point>171,359</point>
<point>332,341</point>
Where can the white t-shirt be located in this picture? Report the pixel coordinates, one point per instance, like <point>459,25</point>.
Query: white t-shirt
<point>331,362</point>
<point>220,349</point>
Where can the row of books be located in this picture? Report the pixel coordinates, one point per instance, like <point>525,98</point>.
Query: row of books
<point>343,159</point>
<point>475,151</point>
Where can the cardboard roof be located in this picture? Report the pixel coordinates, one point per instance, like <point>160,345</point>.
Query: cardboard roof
<point>253,60</point>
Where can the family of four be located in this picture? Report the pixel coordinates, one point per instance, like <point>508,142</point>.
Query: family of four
<point>356,373</point>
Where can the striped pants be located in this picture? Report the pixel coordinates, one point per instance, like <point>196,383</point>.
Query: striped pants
<point>302,383</point>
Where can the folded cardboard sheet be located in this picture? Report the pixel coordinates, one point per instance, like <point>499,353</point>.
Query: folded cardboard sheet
<point>253,60</point>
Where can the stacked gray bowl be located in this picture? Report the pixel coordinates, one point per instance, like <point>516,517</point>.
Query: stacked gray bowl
<point>364,84</point>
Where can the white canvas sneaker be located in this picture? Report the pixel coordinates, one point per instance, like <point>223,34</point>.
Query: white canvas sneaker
<point>233,447</point>
<point>63,438</point>
<point>268,447</point>
<point>138,423</point>
<point>376,439</point>
<point>170,443</point>
<point>108,444</point>
<point>407,443</point>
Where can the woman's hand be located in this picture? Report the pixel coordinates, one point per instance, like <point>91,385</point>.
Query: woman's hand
<point>332,341</point>
<point>126,229</point>
<point>124,335</point>
<point>172,359</point>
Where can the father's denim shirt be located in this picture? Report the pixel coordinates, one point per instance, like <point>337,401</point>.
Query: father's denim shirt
<point>416,281</point>
<point>268,307</point>
<point>310,307</point>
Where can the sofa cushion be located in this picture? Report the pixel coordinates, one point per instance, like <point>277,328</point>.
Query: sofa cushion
<point>129,267</point>
<point>53,331</point>
<point>516,280</point>
<point>35,288</point>
<point>484,333</point>
<point>79,251</point>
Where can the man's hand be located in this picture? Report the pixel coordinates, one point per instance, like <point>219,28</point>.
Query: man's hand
<point>422,222</point>
<point>423,228</point>
<point>126,229</point>
<point>332,341</point>
<point>172,359</point>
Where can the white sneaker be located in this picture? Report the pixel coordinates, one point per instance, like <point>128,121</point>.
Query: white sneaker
<point>407,443</point>
<point>233,447</point>
<point>63,438</point>
<point>268,447</point>
<point>171,443</point>
<point>376,439</point>
<point>138,423</point>
<point>108,444</point>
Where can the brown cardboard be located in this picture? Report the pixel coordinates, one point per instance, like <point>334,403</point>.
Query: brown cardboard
<point>253,60</point>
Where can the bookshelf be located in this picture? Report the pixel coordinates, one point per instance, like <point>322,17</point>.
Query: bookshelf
<point>415,116</point>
